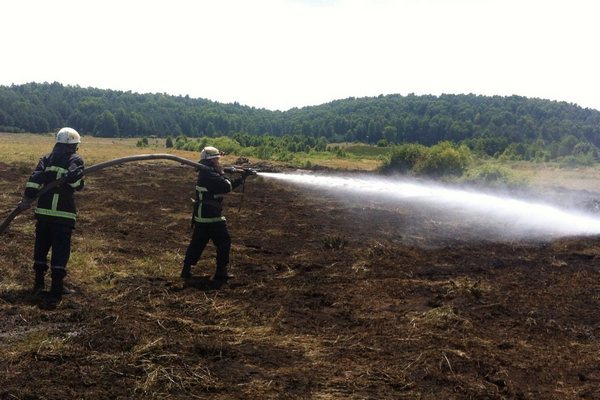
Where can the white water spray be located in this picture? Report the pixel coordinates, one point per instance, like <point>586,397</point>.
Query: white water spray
<point>499,212</point>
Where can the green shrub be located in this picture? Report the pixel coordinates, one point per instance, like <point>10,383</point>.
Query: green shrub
<point>247,152</point>
<point>264,152</point>
<point>586,159</point>
<point>585,148</point>
<point>180,142</point>
<point>143,142</point>
<point>191,145</point>
<point>514,152</point>
<point>443,159</point>
<point>223,143</point>
<point>492,175</point>
<point>404,157</point>
<point>340,153</point>
<point>284,156</point>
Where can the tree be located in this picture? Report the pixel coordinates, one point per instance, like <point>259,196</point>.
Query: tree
<point>210,129</point>
<point>106,125</point>
<point>390,133</point>
<point>397,119</point>
<point>567,144</point>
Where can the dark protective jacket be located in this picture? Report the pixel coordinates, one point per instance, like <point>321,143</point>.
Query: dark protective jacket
<point>211,187</point>
<point>58,204</point>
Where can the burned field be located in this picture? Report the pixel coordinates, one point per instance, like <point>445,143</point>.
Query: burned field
<point>331,300</point>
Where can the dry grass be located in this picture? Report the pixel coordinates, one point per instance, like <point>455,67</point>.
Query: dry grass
<point>26,149</point>
<point>553,175</point>
<point>443,317</point>
<point>37,343</point>
<point>465,286</point>
<point>344,164</point>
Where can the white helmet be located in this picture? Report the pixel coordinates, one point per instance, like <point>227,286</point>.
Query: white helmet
<point>68,136</point>
<point>209,153</point>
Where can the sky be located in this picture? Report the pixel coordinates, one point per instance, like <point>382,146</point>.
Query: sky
<point>280,54</point>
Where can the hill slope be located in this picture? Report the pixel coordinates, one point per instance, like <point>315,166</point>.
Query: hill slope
<point>44,107</point>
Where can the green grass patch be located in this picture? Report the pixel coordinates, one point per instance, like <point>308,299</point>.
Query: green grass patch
<point>367,151</point>
<point>494,175</point>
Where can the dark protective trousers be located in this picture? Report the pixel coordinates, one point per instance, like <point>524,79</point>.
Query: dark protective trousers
<point>218,233</point>
<point>56,236</point>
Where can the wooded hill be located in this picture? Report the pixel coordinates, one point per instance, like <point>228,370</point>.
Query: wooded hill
<point>498,121</point>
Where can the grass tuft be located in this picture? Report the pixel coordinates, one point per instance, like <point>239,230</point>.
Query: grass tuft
<point>334,242</point>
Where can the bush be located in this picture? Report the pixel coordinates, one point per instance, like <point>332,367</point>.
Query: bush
<point>340,153</point>
<point>585,148</point>
<point>143,142</point>
<point>191,145</point>
<point>264,152</point>
<point>443,159</point>
<point>404,157</point>
<point>284,156</point>
<point>514,152</point>
<point>567,144</point>
<point>247,152</point>
<point>180,142</point>
<point>492,175</point>
<point>223,143</point>
<point>587,159</point>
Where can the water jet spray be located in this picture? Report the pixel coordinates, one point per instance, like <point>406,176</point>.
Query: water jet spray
<point>534,218</point>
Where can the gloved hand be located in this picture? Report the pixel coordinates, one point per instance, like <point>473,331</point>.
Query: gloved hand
<point>25,203</point>
<point>246,173</point>
<point>75,173</point>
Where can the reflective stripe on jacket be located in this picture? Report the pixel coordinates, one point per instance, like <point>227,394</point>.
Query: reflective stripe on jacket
<point>211,187</point>
<point>57,204</point>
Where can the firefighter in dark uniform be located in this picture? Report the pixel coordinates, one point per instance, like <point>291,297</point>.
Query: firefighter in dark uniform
<point>208,221</point>
<point>55,212</point>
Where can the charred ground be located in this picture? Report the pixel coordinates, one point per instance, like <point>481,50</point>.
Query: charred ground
<point>332,300</point>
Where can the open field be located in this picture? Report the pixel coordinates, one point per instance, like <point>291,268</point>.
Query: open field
<point>332,300</point>
<point>26,149</point>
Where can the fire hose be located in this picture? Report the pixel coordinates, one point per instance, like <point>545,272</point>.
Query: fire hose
<point>97,167</point>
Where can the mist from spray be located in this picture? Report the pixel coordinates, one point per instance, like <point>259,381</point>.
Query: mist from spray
<point>502,212</point>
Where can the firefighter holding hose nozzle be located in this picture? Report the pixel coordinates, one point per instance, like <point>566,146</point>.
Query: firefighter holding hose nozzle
<point>55,212</point>
<point>207,220</point>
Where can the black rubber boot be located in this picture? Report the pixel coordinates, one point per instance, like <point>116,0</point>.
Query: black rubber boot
<point>56,291</point>
<point>186,272</point>
<point>221,275</point>
<point>39,284</point>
